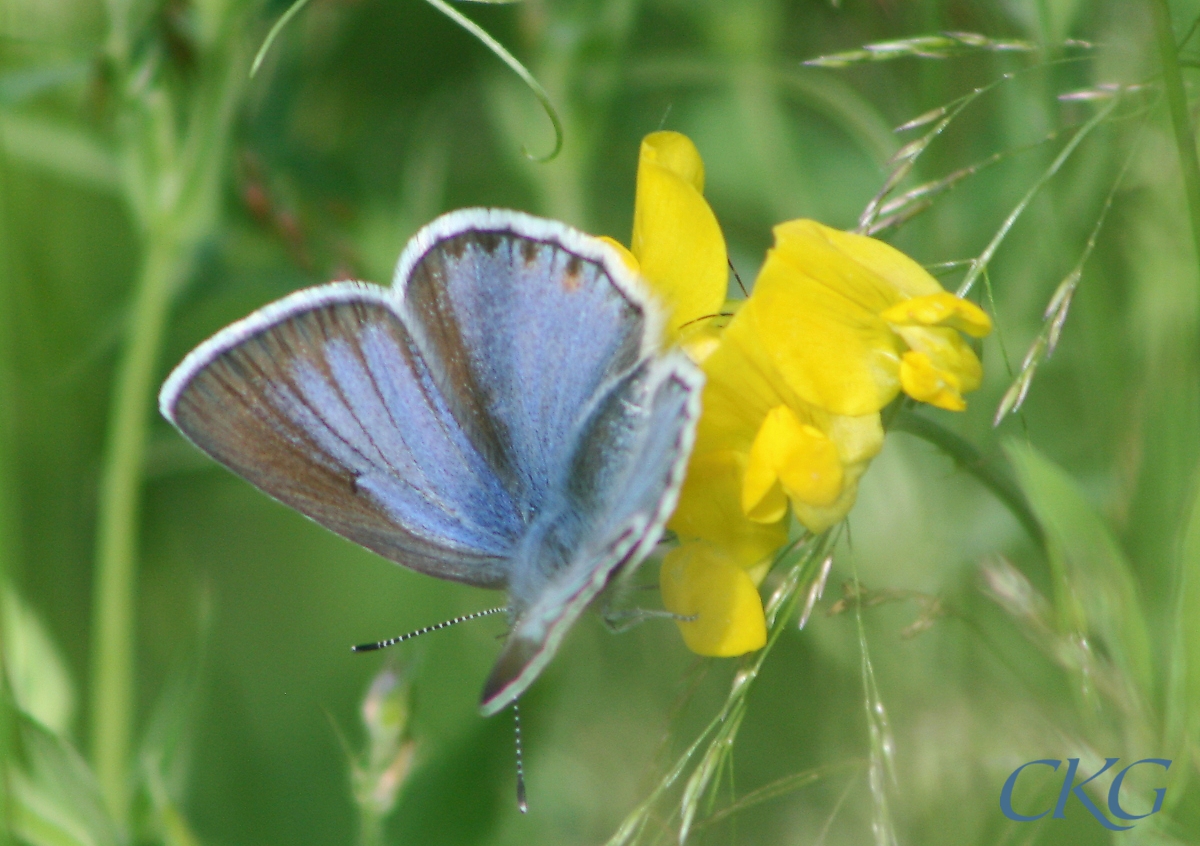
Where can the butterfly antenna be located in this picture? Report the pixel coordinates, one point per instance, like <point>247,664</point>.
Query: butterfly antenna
<point>521,803</point>
<point>392,641</point>
<point>735,276</point>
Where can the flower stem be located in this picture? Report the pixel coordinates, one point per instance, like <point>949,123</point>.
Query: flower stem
<point>112,696</point>
<point>1185,139</point>
<point>964,453</point>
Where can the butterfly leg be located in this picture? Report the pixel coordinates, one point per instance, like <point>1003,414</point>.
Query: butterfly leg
<point>619,620</point>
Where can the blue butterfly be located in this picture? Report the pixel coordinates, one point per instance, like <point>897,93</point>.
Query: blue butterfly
<point>502,416</point>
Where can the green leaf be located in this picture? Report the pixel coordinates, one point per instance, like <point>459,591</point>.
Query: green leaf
<point>37,674</point>
<point>57,801</point>
<point>1095,593</point>
<point>1183,681</point>
<point>23,84</point>
<point>40,820</point>
<point>164,753</point>
<point>59,149</point>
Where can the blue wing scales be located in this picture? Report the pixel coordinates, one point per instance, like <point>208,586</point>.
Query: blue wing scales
<point>323,402</point>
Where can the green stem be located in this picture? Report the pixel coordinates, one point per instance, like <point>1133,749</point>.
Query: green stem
<point>964,453</point>
<point>8,494</point>
<point>112,698</point>
<point>1185,140</point>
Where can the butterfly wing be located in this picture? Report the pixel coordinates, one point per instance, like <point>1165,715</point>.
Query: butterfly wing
<point>528,320</point>
<point>510,379</point>
<point>324,401</point>
<point>622,486</point>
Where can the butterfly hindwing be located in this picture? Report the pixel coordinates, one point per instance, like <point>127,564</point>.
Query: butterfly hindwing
<point>623,484</point>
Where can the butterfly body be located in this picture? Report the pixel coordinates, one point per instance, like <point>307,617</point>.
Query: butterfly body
<point>502,416</point>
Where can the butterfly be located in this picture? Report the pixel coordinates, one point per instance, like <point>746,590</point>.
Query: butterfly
<point>503,415</point>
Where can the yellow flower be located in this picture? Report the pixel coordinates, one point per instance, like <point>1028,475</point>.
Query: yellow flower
<point>759,448</point>
<point>850,321</point>
<point>677,244</point>
<point>699,581</point>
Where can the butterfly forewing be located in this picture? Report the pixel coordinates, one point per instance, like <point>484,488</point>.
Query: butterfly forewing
<point>323,402</point>
<point>527,327</point>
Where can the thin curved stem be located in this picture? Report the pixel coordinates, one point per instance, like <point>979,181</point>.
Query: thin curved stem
<point>970,459</point>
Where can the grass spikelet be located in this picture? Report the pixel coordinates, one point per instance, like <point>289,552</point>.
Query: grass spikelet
<point>980,264</point>
<point>880,767</point>
<point>801,578</point>
<point>1055,315</point>
<point>941,46</point>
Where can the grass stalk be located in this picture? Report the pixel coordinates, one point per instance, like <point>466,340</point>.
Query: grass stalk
<point>1185,139</point>
<point>981,262</point>
<point>112,690</point>
<point>176,199</point>
<point>8,491</point>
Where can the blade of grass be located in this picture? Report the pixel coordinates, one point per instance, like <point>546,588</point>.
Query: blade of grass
<point>273,34</point>
<point>65,152</point>
<point>1183,671</point>
<point>470,26</point>
<point>177,201</point>
<point>779,787</point>
<point>906,157</point>
<point>1181,122</point>
<point>940,46</point>
<point>118,519</point>
<point>1095,592</point>
<point>8,485</point>
<point>57,796</point>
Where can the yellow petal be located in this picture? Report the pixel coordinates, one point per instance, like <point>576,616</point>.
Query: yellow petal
<point>740,387</point>
<point>902,275</point>
<point>794,458</point>
<point>675,152</point>
<point>627,257</point>
<point>676,238</point>
<point>818,518</point>
<point>948,352</point>
<point>941,309</point>
<point>710,509</point>
<point>701,339</point>
<point>858,439</point>
<point>700,581</point>
<point>926,383</point>
<point>817,311</point>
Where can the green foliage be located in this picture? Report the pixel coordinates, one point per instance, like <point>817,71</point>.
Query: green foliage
<point>174,643</point>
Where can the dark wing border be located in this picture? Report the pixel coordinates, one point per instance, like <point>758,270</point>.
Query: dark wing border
<point>257,322</point>
<point>588,247</point>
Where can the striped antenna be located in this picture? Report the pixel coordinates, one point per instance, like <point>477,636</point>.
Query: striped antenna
<point>392,641</point>
<point>521,804</point>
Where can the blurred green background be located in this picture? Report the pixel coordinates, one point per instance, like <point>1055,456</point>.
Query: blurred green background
<point>151,192</point>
